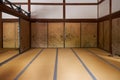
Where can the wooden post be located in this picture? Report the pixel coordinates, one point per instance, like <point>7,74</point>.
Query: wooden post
<point>110,19</point>
<point>29,6</point>
<point>1,31</point>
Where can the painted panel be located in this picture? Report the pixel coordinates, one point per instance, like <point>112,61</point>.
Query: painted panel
<point>55,35</point>
<point>47,11</point>
<point>101,35</point>
<point>72,32</point>
<point>10,35</point>
<point>107,35</point>
<point>79,12</point>
<point>39,35</point>
<point>88,35</point>
<point>116,36</point>
<point>24,35</point>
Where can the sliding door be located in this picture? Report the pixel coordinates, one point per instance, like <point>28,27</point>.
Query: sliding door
<point>55,35</point>
<point>72,35</point>
<point>10,35</point>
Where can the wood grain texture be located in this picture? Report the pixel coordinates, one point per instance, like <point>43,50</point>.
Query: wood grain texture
<point>116,36</point>
<point>24,35</point>
<point>107,35</point>
<point>55,35</point>
<point>101,35</point>
<point>10,70</point>
<point>72,32</point>
<point>98,67</point>
<point>39,35</point>
<point>88,35</point>
<point>69,67</point>
<point>10,35</point>
<point>42,68</point>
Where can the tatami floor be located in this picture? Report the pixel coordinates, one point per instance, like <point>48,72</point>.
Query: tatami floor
<point>61,64</point>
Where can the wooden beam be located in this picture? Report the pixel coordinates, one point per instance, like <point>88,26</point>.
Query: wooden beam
<point>57,3</point>
<point>64,20</point>
<point>6,9</point>
<point>1,30</point>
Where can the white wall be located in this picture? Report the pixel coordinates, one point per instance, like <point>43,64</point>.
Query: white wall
<point>115,5</point>
<point>18,0</point>
<point>81,12</point>
<point>7,16</point>
<point>47,11</point>
<point>81,1</point>
<point>104,8</point>
<point>48,1</point>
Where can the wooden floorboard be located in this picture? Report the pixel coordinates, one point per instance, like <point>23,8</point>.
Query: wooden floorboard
<point>10,70</point>
<point>6,54</point>
<point>42,67</point>
<point>106,56</point>
<point>69,67</point>
<point>98,67</point>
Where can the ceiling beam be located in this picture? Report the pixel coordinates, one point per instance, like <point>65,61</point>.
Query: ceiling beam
<point>6,9</point>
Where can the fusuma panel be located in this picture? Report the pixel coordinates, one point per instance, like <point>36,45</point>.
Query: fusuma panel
<point>101,34</point>
<point>116,36</point>
<point>107,35</point>
<point>24,35</point>
<point>55,35</point>
<point>10,35</point>
<point>39,35</point>
<point>72,33</point>
<point>88,35</point>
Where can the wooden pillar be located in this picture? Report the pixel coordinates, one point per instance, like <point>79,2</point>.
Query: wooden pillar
<point>1,31</point>
<point>110,19</point>
<point>29,9</point>
<point>29,6</point>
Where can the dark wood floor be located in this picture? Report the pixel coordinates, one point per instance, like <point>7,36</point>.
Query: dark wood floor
<point>61,64</point>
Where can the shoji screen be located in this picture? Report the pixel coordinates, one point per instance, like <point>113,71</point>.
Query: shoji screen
<point>24,35</point>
